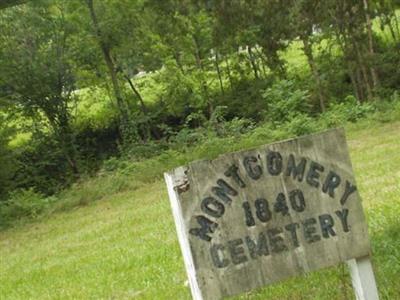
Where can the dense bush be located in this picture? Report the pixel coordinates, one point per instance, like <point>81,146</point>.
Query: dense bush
<point>285,102</point>
<point>348,110</point>
<point>23,203</point>
<point>244,99</point>
<point>7,163</point>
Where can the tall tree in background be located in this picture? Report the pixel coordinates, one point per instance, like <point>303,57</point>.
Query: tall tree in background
<point>374,74</point>
<point>275,33</point>
<point>37,69</point>
<point>305,16</point>
<point>347,19</point>
<point>185,29</point>
<point>105,44</point>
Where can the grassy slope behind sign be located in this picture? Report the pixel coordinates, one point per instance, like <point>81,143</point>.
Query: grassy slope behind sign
<point>125,246</point>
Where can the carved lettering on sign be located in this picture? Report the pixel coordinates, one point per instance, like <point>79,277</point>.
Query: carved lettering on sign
<point>275,163</point>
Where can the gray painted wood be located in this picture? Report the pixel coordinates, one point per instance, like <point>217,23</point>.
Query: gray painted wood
<point>226,264</point>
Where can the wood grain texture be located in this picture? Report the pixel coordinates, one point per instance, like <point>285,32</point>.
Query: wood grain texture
<point>231,253</point>
<point>363,279</point>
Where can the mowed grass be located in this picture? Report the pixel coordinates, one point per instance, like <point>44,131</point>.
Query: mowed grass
<point>125,246</point>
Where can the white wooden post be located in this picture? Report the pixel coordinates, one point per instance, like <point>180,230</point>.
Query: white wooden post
<point>173,181</point>
<point>363,279</point>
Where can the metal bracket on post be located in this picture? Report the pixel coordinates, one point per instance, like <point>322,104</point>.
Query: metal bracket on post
<point>363,279</point>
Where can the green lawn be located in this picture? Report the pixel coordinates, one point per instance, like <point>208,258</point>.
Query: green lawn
<point>125,246</point>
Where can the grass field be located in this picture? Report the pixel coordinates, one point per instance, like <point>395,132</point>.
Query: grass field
<point>125,246</point>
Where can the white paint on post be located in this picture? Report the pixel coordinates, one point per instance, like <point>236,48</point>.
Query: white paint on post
<point>172,181</point>
<point>363,279</point>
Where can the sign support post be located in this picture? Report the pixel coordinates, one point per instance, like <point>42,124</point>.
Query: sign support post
<point>174,181</point>
<point>363,279</point>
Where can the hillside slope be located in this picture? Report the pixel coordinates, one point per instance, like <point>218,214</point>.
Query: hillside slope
<point>125,246</point>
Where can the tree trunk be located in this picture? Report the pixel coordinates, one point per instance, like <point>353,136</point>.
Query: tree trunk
<point>252,62</point>
<point>361,63</point>
<point>228,68</point>
<point>219,72</point>
<point>360,85</point>
<point>374,74</point>
<point>314,70</point>
<point>109,62</point>
<point>396,22</point>
<point>70,154</point>
<point>177,58</point>
<point>143,106</point>
<point>60,124</point>
<point>350,68</point>
<point>200,66</point>
<point>275,64</point>
<point>355,85</point>
<point>261,56</point>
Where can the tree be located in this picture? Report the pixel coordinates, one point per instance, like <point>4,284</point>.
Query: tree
<point>37,71</point>
<point>254,24</point>
<point>111,23</point>
<point>106,47</point>
<point>185,29</point>
<point>305,16</point>
<point>346,21</point>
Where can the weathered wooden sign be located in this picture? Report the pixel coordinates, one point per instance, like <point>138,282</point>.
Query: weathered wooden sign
<point>254,217</point>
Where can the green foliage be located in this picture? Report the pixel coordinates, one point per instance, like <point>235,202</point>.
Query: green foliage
<point>41,164</point>
<point>388,110</point>
<point>284,102</point>
<point>300,124</point>
<point>237,127</point>
<point>141,151</point>
<point>181,93</point>
<point>7,160</point>
<point>245,99</point>
<point>22,204</point>
<point>348,110</point>
<point>188,137</point>
<point>197,129</point>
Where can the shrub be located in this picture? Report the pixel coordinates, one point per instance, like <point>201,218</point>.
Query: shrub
<point>388,110</point>
<point>23,203</point>
<point>285,101</point>
<point>238,126</point>
<point>219,126</point>
<point>348,110</point>
<point>300,124</point>
<point>141,151</point>
<point>187,137</point>
<point>7,161</point>
<point>42,165</point>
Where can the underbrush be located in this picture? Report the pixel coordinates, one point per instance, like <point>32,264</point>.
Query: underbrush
<point>207,142</point>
